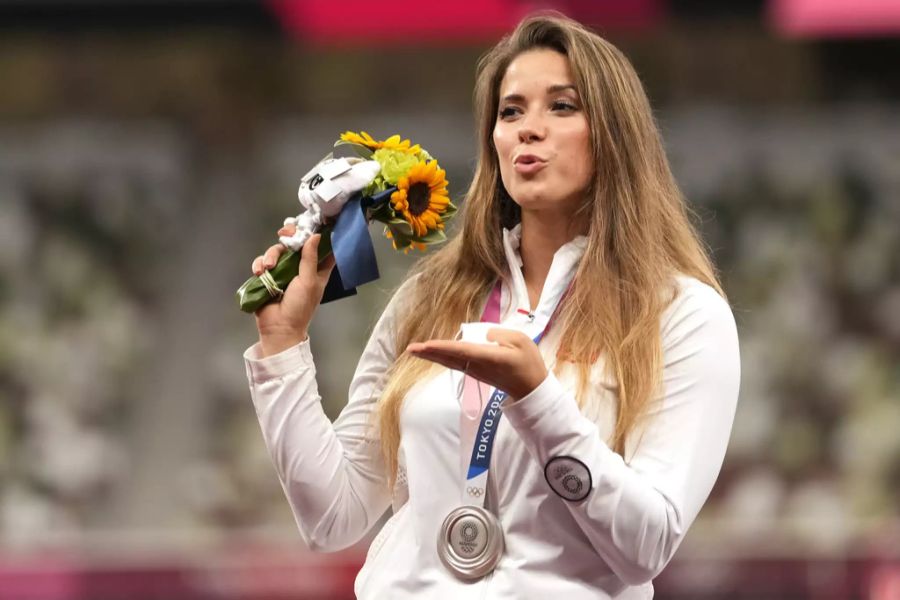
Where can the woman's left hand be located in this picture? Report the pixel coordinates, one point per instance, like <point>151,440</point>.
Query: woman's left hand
<point>515,365</point>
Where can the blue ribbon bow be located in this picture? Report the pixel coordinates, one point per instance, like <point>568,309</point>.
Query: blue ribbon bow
<point>351,244</point>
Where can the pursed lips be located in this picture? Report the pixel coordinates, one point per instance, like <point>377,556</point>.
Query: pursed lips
<point>528,159</point>
<point>528,163</point>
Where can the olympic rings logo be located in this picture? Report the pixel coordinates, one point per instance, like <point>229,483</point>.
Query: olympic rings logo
<point>469,532</point>
<point>572,484</point>
<point>475,492</point>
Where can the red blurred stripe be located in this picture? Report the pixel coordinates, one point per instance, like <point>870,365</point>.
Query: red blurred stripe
<point>835,18</point>
<point>400,22</point>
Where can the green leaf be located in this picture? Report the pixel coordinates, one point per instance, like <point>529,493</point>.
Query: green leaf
<point>449,212</point>
<point>401,226</point>
<point>435,236</point>
<point>253,295</point>
<point>363,151</point>
<point>382,212</point>
<point>325,243</point>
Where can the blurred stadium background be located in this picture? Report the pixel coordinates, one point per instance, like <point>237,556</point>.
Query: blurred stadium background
<point>149,149</point>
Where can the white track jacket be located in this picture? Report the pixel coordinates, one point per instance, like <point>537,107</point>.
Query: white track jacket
<point>605,534</point>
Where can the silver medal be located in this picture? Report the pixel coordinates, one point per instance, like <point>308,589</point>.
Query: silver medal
<point>470,542</point>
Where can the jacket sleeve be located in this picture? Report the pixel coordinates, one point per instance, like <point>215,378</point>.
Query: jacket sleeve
<point>333,475</point>
<point>636,513</point>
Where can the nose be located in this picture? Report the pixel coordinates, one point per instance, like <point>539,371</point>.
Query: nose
<point>531,128</point>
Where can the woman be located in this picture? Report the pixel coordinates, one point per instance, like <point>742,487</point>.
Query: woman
<point>615,424</point>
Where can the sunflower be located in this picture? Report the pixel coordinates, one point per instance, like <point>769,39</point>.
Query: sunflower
<point>392,143</point>
<point>412,245</point>
<point>421,197</point>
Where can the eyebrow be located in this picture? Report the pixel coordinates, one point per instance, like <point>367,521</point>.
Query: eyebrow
<point>550,90</point>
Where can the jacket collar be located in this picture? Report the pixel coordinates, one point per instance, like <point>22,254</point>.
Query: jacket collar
<point>562,270</point>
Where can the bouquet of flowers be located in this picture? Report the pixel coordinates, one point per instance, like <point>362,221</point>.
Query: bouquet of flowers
<point>390,181</point>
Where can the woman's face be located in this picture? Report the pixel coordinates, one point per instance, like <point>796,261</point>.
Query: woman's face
<point>542,135</point>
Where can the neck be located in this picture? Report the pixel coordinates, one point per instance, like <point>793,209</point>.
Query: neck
<point>542,235</point>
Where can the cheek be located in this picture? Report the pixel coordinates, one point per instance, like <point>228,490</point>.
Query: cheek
<point>581,167</point>
<point>503,148</point>
<point>501,141</point>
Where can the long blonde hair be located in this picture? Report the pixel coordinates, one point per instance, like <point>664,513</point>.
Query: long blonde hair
<point>639,236</point>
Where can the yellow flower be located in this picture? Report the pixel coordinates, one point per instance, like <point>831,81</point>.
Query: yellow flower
<point>412,245</point>
<point>421,197</point>
<point>362,138</point>
<point>392,143</point>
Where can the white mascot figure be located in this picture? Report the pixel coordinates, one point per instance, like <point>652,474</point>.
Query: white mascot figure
<point>324,191</point>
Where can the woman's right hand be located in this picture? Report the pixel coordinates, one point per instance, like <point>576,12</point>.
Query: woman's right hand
<point>286,323</point>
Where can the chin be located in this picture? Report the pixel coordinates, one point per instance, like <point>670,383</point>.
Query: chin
<point>530,197</point>
<point>534,201</point>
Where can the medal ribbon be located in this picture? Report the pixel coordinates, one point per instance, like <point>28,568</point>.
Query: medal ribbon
<point>482,438</point>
